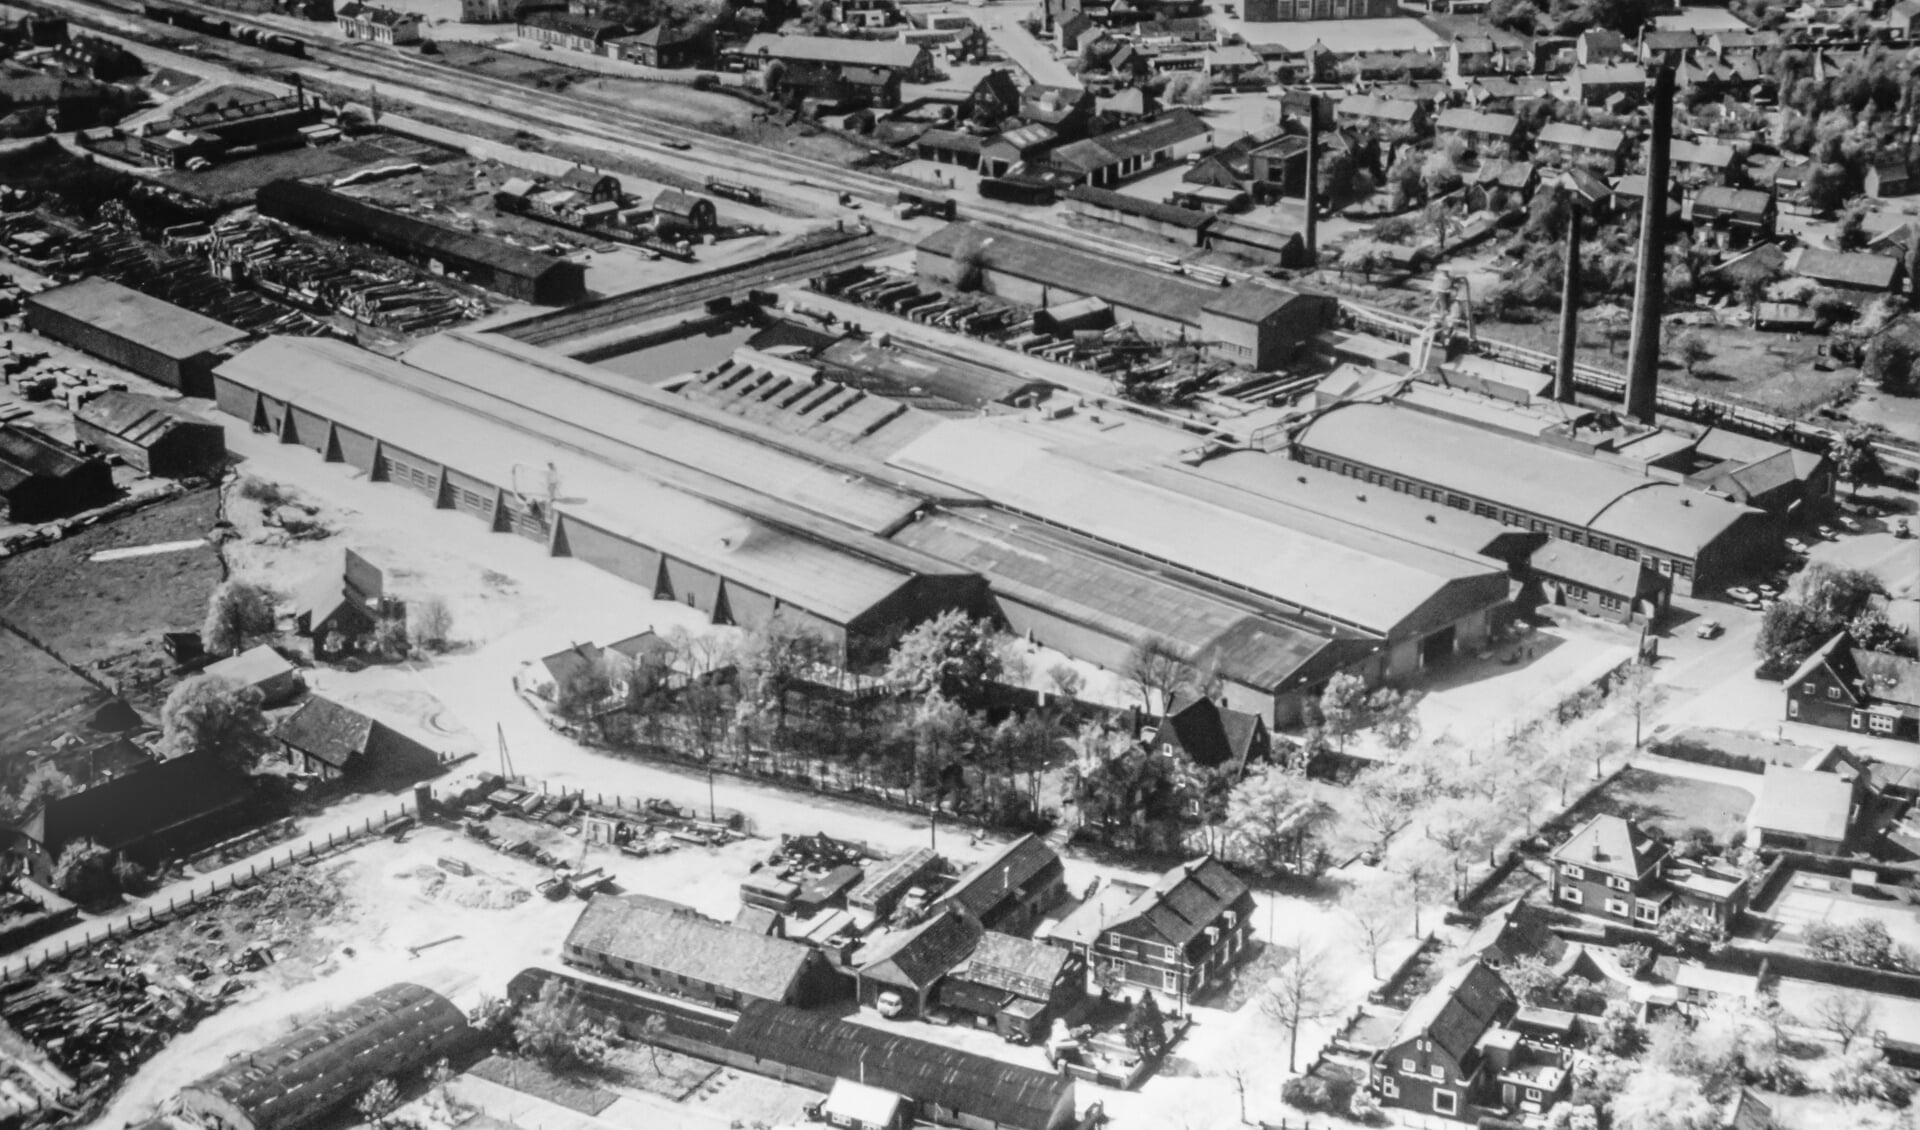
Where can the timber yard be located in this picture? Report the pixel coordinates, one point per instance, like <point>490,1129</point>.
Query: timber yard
<point>1014,566</point>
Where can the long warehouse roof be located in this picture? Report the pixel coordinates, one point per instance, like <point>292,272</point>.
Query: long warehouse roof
<point>1123,284</point>
<point>1366,580</point>
<point>760,541</point>
<point>1565,486</point>
<point>147,321</point>
<point>701,441</point>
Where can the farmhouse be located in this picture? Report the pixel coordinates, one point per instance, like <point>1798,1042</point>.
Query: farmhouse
<point>156,811</point>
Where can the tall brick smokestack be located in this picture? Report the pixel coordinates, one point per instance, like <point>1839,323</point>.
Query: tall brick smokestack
<point>1311,235</point>
<point>1643,355</point>
<point>1569,301</point>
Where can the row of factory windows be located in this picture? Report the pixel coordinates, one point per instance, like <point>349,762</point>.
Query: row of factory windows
<point>1672,567</point>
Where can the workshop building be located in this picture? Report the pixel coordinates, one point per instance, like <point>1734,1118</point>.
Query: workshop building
<point>675,950</point>
<point>141,334</point>
<point>324,1067</point>
<point>42,479</point>
<point>482,260</point>
<point>156,436</point>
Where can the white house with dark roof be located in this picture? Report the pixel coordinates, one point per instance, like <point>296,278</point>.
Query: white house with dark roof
<point>1804,810</point>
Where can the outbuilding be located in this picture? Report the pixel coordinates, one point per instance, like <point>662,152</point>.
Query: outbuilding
<point>42,479</point>
<point>154,435</point>
<point>322,1067</point>
<point>674,210</point>
<point>263,669</point>
<point>674,949</point>
<point>142,334</point>
<point>333,742</point>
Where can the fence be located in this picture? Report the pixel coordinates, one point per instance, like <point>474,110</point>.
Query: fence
<point>151,915</point>
<point>730,817</point>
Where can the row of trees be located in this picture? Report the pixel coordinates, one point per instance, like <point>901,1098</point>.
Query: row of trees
<point>1821,600</point>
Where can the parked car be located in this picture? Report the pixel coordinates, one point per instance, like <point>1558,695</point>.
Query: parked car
<point>1741,594</point>
<point>1902,530</point>
<point>1709,630</point>
<point>1850,524</point>
<point>1826,531</point>
<point>1765,589</point>
<point>1796,545</point>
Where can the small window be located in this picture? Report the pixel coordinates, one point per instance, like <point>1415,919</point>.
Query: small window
<point>1855,720</point>
<point>1618,884</point>
<point>1880,723</point>
<point>1436,1070</point>
<point>1647,912</point>
<point>1390,1087</point>
<point>1410,1067</point>
<point>1833,693</point>
<point>1169,981</point>
<point>1533,1095</point>
<point>1806,687</point>
<point>1573,871</point>
<point>1615,906</point>
<point>1446,1102</point>
<point>1572,895</point>
<point>1793,708</point>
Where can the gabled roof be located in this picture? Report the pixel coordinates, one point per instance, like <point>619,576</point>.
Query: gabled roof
<point>1584,565</point>
<point>138,419</point>
<point>1141,139</point>
<point>918,957</point>
<point>1172,215</point>
<point>27,453</point>
<point>1378,109</point>
<point>1208,733</point>
<point>144,802</point>
<point>1183,903</point>
<point>1518,929</point>
<point>579,660</point>
<point>1611,844</point>
<point>1803,802</point>
<point>678,941</point>
<point>325,730</point>
<point>1478,122</point>
<point>988,883</point>
<point>1705,153</point>
<point>1889,678</point>
<point>647,647</point>
<point>1745,1111</point>
<point>1845,268</point>
<point>890,54</point>
<point>1020,966</point>
<point>251,667</point>
<point>1457,1011</point>
<point>1724,200</point>
<point>1581,137</point>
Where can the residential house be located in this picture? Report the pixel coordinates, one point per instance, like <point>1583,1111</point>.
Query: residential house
<point>1213,735</point>
<point>1748,43</point>
<point>1392,117</point>
<point>1888,179</point>
<point>1122,154</point>
<point>1844,687</point>
<point>1805,810</point>
<point>1853,274</point>
<point>665,47</point>
<point>1698,164</point>
<point>1180,936</point>
<point>1595,83</point>
<point>555,678</point>
<point>1602,585</point>
<point>1569,145</point>
<point>1074,32</point>
<point>263,669</point>
<point>590,34</point>
<point>866,14</point>
<point>1067,111</point>
<point>1610,868</point>
<point>332,742</point>
<point>1433,1063</point>
<point>1732,218</point>
<point>1017,986</point>
<point>157,811</point>
<point>647,659</point>
<point>1658,47</point>
<point>378,25</point>
<point>1519,929</point>
<point>673,949</point>
<point>1011,888</point>
<point>1470,56</point>
<point>897,973</point>
<point>1495,185</point>
<point>1900,18</point>
<point>1489,135</point>
<point>1232,65</point>
<point>1597,45</point>
<point>994,99</point>
<point>340,604</point>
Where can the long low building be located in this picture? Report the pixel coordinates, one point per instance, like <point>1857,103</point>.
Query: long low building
<point>1702,540</point>
<point>481,259</point>
<point>1249,324</point>
<point>157,436</point>
<point>142,334</point>
<point>589,490</point>
<point>42,479</point>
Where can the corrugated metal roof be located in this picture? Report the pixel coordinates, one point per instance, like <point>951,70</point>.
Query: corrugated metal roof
<point>144,320</point>
<point>680,942</point>
<point>1123,284</point>
<point>302,203</point>
<point>918,957</point>
<point>1296,559</point>
<point>135,418</point>
<point>1566,487</point>
<point>760,540</point>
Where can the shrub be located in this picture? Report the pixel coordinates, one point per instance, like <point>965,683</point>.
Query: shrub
<point>705,81</point>
<point>1781,1077</point>
<point>268,495</point>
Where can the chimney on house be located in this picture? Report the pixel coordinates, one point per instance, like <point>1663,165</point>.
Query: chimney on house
<point>1643,357</point>
<point>1569,301</point>
<point>1311,235</point>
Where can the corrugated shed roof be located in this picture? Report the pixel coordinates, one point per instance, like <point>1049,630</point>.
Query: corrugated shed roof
<point>999,876</point>
<point>1021,1098</point>
<point>760,540</point>
<point>299,202</point>
<point>918,957</point>
<point>680,942</point>
<point>136,418</point>
<point>320,1067</point>
<point>1569,488</point>
<point>1845,268</point>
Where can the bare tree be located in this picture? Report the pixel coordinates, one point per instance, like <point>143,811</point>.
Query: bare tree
<point>1846,1014</point>
<point>1638,694</point>
<point>1386,797</point>
<point>1159,667</point>
<point>432,622</point>
<point>1301,993</point>
<point>1377,910</point>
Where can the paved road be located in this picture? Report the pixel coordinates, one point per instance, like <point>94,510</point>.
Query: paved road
<point>1029,54</point>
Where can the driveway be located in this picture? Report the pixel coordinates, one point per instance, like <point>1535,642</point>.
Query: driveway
<point>1027,53</point>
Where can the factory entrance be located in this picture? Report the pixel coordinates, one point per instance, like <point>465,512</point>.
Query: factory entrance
<point>1436,648</point>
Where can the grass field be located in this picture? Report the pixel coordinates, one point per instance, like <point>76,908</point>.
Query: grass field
<point>1672,804</point>
<point>43,699</point>
<point>109,616</point>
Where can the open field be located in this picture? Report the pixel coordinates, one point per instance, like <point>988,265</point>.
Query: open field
<point>238,180</point>
<point>721,115</point>
<point>108,616</point>
<point>1766,370</point>
<point>1672,804</point>
<point>43,699</point>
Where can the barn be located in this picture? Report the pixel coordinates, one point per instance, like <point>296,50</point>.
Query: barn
<point>157,436</point>
<point>691,513</point>
<point>320,1068</point>
<point>158,340</point>
<point>42,479</point>
<point>482,260</point>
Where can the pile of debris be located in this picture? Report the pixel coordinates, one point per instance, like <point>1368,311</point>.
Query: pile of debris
<point>328,280</point>
<point>99,1017</point>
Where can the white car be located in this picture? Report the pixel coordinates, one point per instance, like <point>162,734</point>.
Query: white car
<point>1796,545</point>
<point>1826,531</point>
<point>1741,594</point>
<point>1851,524</point>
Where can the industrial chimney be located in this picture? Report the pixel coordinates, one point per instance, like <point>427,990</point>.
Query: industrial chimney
<point>1643,356</point>
<point>1313,180</point>
<point>1569,300</point>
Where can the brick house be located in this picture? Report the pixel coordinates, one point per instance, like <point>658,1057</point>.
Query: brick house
<point>1433,1063</point>
<point>1012,888</point>
<point>1843,687</point>
<point>1212,734</point>
<point>1610,868</point>
<point>1017,986</point>
<point>1180,936</point>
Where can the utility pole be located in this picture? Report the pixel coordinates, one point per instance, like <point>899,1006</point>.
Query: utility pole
<point>506,761</point>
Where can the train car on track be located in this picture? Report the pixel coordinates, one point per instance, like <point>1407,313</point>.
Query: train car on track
<point>745,194</point>
<point>285,45</point>
<point>1017,190</point>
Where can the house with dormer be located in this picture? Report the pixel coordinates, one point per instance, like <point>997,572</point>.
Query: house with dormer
<point>1844,687</point>
<point>1181,936</point>
<point>1434,1062</point>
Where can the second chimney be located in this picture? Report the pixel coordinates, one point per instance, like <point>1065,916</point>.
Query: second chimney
<point>1569,301</point>
<point>1643,356</point>
<point>1313,181</point>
